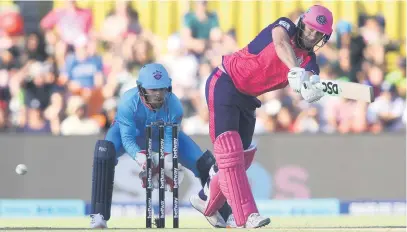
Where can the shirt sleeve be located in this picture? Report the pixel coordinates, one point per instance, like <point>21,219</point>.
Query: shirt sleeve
<point>49,21</point>
<point>128,130</point>
<point>89,21</point>
<point>188,20</point>
<point>99,64</point>
<point>312,65</point>
<point>215,20</point>
<point>68,66</point>
<point>286,24</point>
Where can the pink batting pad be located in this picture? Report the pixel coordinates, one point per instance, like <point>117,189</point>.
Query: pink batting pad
<point>216,198</point>
<point>232,179</point>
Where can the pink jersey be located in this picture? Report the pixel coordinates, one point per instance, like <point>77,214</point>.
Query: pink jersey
<point>70,24</point>
<point>256,68</point>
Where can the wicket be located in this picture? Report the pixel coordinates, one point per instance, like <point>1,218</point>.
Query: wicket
<point>149,188</point>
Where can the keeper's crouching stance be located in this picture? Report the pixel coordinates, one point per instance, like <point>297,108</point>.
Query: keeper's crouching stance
<point>151,101</point>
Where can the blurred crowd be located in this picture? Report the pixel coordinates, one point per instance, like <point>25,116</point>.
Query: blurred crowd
<point>66,78</point>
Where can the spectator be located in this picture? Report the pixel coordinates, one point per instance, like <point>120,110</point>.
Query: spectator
<point>397,77</point>
<point>388,109</point>
<point>33,121</point>
<point>183,69</point>
<point>83,74</point>
<point>215,49</point>
<point>204,71</point>
<point>285,121</point>
<point>307,121</point>
<point>5,97</point>
<point>3,119</point>
<point>266,122</point>
<point>199,26</point>
<point>137,52</point>
<point>373,34</point>
<point>54,112</point>
<point>120,22</point>
<point>342,66</point>
<point>357,48</point>
<point>198,123</point>
<point>295,15</point>
<point>37,77</point>
<point>109,113</point>
<point>35,48</point>
<point>358,122</point>
<point>77,123</point>
<point>375,78</point>
<point>346,116</point>
<point>83,71</point>
<point>343,34</point>
<point>10,59</point>
<point>32,79</point>
<point>119,79</point>
<point>70,22</point>
<point>229,42</point>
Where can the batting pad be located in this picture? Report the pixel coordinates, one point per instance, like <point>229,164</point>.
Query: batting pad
<point>216,196</point>
<point>102,178</point>
<point>233,181</point>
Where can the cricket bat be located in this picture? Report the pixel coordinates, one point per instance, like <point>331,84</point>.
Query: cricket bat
<point>348,90</point>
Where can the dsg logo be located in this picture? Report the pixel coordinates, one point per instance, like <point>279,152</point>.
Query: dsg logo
<point>330,87</point>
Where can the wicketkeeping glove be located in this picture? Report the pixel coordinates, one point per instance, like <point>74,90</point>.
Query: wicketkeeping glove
<point>168,174</point>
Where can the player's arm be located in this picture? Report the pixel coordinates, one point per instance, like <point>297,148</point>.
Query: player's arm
<point>128,130</point>
<point>281,33</point>
<point>312,90</point>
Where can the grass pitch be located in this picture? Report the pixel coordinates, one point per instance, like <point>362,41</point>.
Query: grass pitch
<point>199,224</point>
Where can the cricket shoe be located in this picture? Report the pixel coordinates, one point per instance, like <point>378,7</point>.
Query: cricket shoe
<point>231,223</point>
<point>97,221</point>
<point>199,202</point>
<point>255,220</point>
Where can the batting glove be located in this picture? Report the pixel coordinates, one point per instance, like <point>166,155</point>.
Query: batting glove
<point>312,90</point>
<point>296,76</point>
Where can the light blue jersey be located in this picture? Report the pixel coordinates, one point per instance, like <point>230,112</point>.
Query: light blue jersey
<point>127,132</point>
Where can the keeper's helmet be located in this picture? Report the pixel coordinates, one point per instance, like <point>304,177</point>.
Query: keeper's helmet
<point>319,19</point>
<point>154,77</point>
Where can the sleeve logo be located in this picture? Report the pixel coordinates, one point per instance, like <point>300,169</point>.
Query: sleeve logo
<point>285,24</point>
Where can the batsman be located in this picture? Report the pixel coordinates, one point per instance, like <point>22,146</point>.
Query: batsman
<point>281,55</point>
<point>151,101</point>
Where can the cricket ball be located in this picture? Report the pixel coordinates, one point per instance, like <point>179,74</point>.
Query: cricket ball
<point>21,169</point>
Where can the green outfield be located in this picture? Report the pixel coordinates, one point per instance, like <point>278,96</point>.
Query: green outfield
<point>195,224</point>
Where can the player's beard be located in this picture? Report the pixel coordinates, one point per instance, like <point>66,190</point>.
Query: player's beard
<point>155,102</point>
<point>157,105</point>
<point>306,44</point>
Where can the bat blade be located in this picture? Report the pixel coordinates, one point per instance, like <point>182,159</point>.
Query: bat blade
<point>348,90</point>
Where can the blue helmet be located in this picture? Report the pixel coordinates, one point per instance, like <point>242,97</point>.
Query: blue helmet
<point>154,76</point>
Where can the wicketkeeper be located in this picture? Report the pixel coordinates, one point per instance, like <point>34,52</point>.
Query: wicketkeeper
<point>151,101</point>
